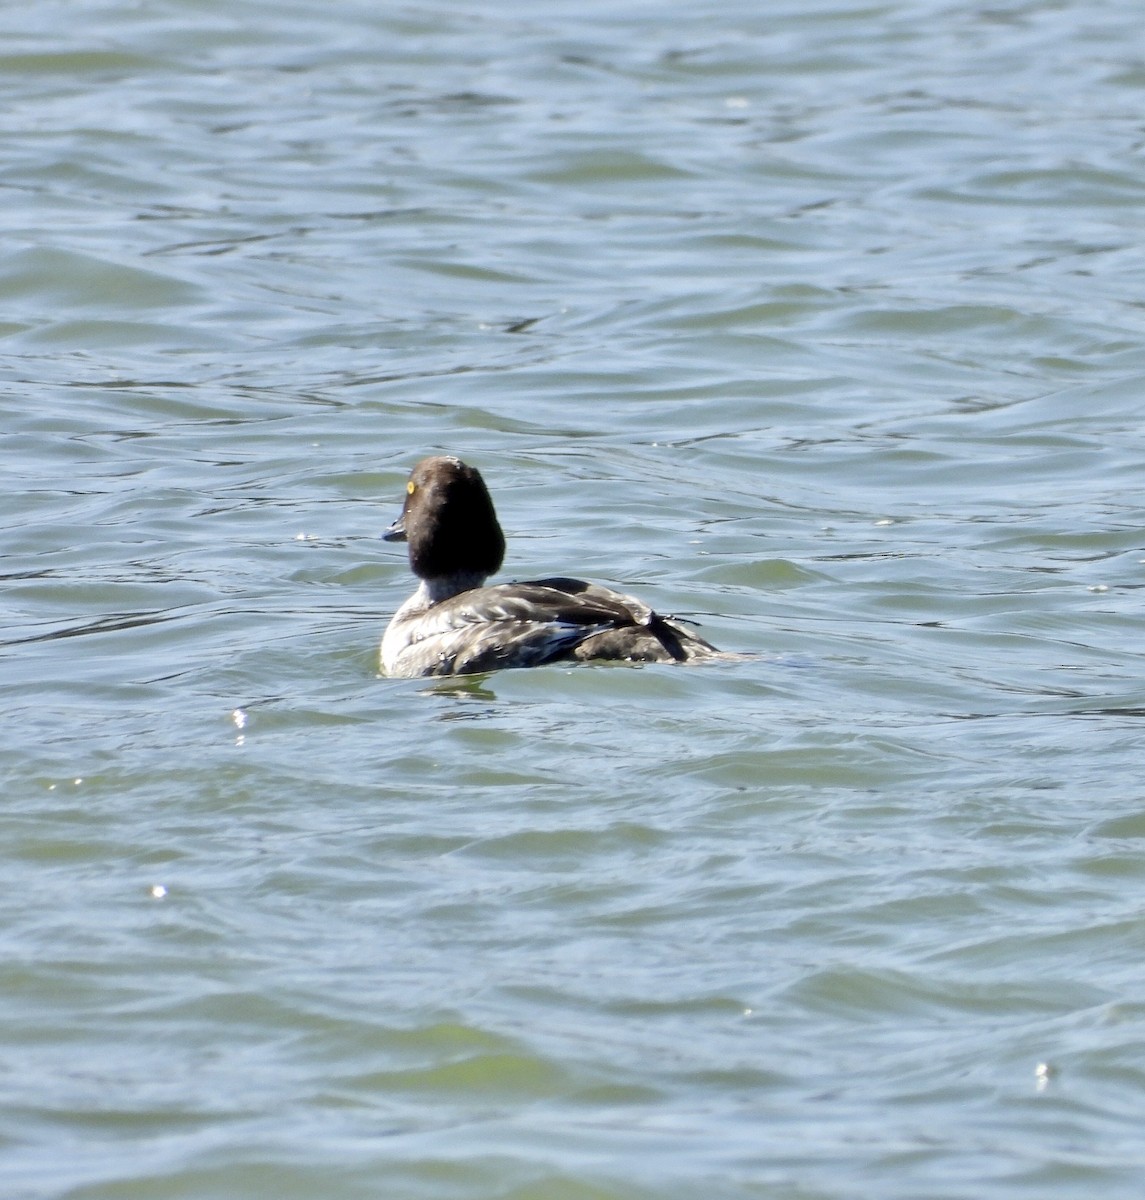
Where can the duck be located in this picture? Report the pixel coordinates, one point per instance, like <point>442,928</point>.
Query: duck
<point>456,624</point>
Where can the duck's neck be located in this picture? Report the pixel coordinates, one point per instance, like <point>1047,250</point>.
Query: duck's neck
<point>442,587</point>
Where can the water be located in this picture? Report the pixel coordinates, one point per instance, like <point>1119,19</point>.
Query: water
<point>820,324</point>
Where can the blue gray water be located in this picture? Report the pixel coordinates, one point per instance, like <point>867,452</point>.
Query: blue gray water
<point>819,323</point>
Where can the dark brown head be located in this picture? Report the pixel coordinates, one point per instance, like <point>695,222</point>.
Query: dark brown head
<point>449,521</point>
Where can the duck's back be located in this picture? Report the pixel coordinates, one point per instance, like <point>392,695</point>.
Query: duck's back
<point>529,624</point>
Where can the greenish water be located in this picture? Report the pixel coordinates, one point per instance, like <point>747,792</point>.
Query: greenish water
<point>820,324</point>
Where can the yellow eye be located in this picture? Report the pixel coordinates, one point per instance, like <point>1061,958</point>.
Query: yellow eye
<point>410,489</point>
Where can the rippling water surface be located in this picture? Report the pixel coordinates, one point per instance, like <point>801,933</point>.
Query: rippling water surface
<point>819,323</point>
